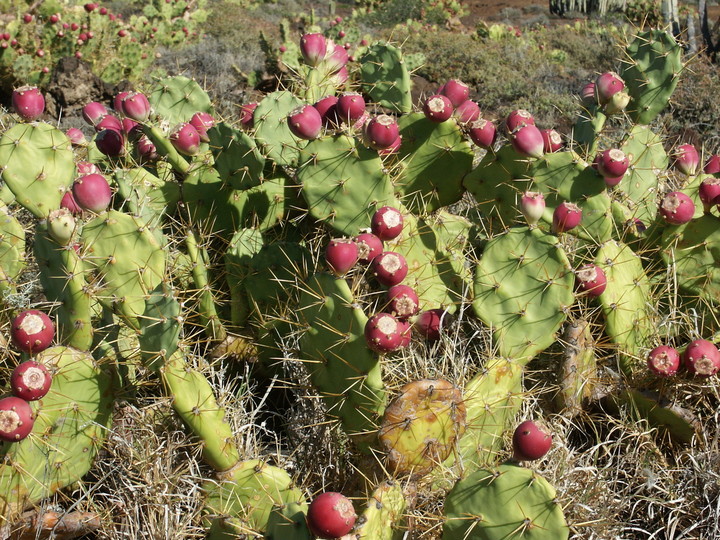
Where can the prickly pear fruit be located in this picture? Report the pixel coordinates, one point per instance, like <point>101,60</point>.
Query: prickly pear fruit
<point>341,255</point>
<point>305,122</point>
<point>618,102</point>
<point>30,381</point>
<point>405,329</point>
<point>382,131</point>
<point>85,167</point>
<point>93,112</point>
<point>247,120</point>
<point>327,107</point>
<point>456,91</point>
<point>61,226</point>
<point>677,208</point>
<point>712,166</point>
<point>709,191</point>
<point>686,159</point>
<point>186,139</point>
<point>483,133</point>
<point>313,48</point>
<point>394,148</point>
<point>202,121</point>
<point>438,108</point>
<point>136,106</point>
<point>28,102</point>
<point>69,202</point>
<point>403,301</point>
<point>528,141</point>
<point>552,141</point>
<point>32,331</point>
<point>350,107</point>
<point>331,515</point>
<point>532,206</point>
<point>587,94</point>
<point>566,216</point>
<point>591,279</point>
<point>109,121</point>
<point>429,323</point>
<point>389,268</point>
<point>663,361</point>
<point>702,358</point>
<point>383,333</point>
<point>336,57</point>
<point>519,118</point>
<point>369,247</point>
<point>387,223</point>
<point>530,441</point>
<point>612,163</point>
<point>607,85</point>
<point>467,112</point>
<point>92,192</point>
<point>110,142</point>
<point>16,419</point>
<point>77,137</point>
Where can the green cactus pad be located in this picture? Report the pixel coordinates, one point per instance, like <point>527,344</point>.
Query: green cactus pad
<point>343,183</point>
<point>421,426</point>
<point>145,194</point>
<point>578,368</point>
<point>385,78</point>
<point>177,99</point>
<point>626,301</point>
<point>504,503</point>
<point>37,166</point>
<point>435,158</point>
<point>342,368</point>
<point>651,72</point>
<point>589,124</point>
<point>383,516</point>
<point>71,422</point>
<point>523,288</point>
<point>237,158</point>
<point>244,245</point>
<point>271,128</point>
<point>12,249</point>
<point>288,522</point>
<point>249,492</point>
<point>159,327</point>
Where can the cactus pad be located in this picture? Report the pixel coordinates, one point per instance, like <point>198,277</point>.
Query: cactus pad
<point>237,158</point>
<point>272,131</point>
<point>383,515</point>
<point>176,99</point>
<point>385,77</point>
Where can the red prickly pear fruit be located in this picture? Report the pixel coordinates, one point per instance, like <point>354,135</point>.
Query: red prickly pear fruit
<point>336,57</point>
<point>362,122</point>
<point>136,106</point>
<point>68,202</point>
<point>305,122</point>
<point>117,102</point>
<point>28,103</point>
<point>552,140</point>
<point>341,255</point>
<point>247,120</point>
<point>61,225</point>
<point>591,279</point>
<point>394,148</point>
<point>85,167</point>
<point>202,122</point>
<point>77,137</point>
<point>566,216</point>
<point>429,323</point>
<point>612,163</point>
<point>709,191</point>
<point>532,206</point>
<point>607,85</point>
<point>32,331</point>
<point>530,441</point>
<point>587,94</point>
<point>313,48</point>
<point>186,139</point>
<point>686,159</point>
<point>528,141</point>
<point>93,112</point>
<point>27,18</point>
<point>341,76</point>
<point>331,515</point>
<point>702,358</point>
<point>663,361</point>
<point>109,122</point>
<point>612,181</point>
<point>403,301</point>
<point>92,192</point>
<point>519,118</point>
<point>382,131</point>
<point>405,329</point>
<point>327,107</point>
<point>146,149</point>
<point>110,142</point>
<point>369,247</point>
<point>389,268</point>
<point>483,133</point>
<point>383,333</point>
<point>677,208</point>
<point>467,112</point>
<point>387,223</point>
<point>90,7</point>
<point>30,381</point>
<point>131,128</point>
<point>712,166</point>
<point>350,107</point>
<point>16,419</point>
<point>456,91</point>
<point>438,108</point>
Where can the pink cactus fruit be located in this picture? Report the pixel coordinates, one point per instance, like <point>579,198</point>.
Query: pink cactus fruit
<point>587,94</point>
<point>68,202</point>
<point>383,333</point>
<point>30,381</point>
<point>677,208</point>
<point>313,48</point>
<point>438,108</point>
<point>591,279</point>
<point>85,167</point>
<point>117,102</point>
<point>483,133</point>
<point>305,122</point>
<point>456,91</point>
<point>389,268</point>
<point>327,107</point>
<point>93,112</point>
<point>341,255</point>
<point>612,163</point>
<point>607,85</point>
<point>247,120</point>
<point>686,159</point>
<point>387,223</point>
<point>202,122</point>
<point>32,331</point>
<point>350,107</point>
<point>146,149</point>
<point>531,441</point>
<point>709,191</point>
<point>92,192</point>
<point>28,103</point>
<point>528,141</point>
<point>566,216</point>
<point>532,206</point>
<point>552,140</point>
<point>336,57</point>
<point>519,118</point>
<point>467,112</point>
<point>405,329</point>
<point>393,149</point>
<point>136,106</point>
<point>341,76</point>
<point>403,301</point>
<point>382,131</point>
<point>331,515</point>
<point>109,121</point>
<point>429,324</point>
<point>663,361</point>
<point>16,419</point>
<point>131,128</point>
<point>712,166</point>
<point>186,139</point>
<point>77,137</point>
<point>702,358</point>
<point>369,247</point>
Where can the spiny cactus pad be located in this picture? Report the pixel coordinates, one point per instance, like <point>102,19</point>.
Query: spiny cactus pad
<point>238,160</point>
<point>177,98</point>
<point>272,131</point>
<point>383,516</point>
<point>288,522</point>
<point>385,77</point>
